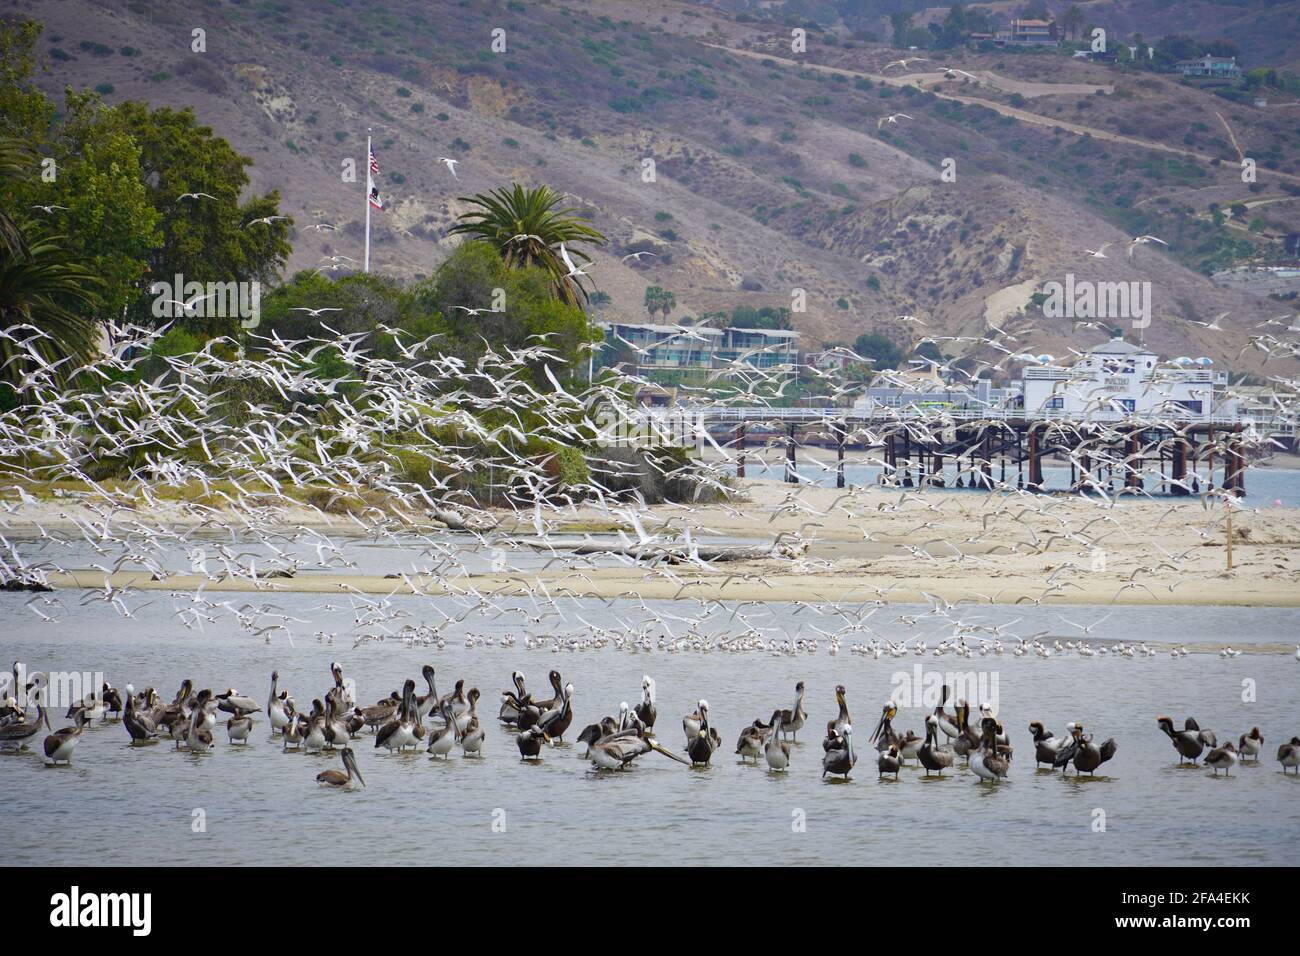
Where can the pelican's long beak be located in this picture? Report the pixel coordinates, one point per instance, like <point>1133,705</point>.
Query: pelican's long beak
<point>667,753</point>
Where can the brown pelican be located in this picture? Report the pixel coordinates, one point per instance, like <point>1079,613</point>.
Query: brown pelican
<point>177,710</point>
<point>751,739</point>
<point>646,711</point>
<point>275,711</point>
<point>336,730</point>
<point>473,734</point>
<point>792,720</point>
<point>947,723</point>
<point>931,755</point>
<point>425,703</point>
<point>398,731</point>
<point>233,702</point>
<point>532,710</point>
<point>1086,755</point>
<point>381,712</point>
<point>700,748</point>
<point>968,739</point>
<point>198,738</point>
<point>238,728</point>
<point>839,757</point>
<point>339,779</point>
<point>60,744</point>
<point>843,717</point>
<point>443,739</point>
<point>555,721</point>
<point>777,751</point>
<point>512,700</point>
<point>691,722</point>
<point>313,739</point>
<point>112,701</point>
<point>91,704</point>
<point>530,742</point>
<point>1288,755</point>
<point>617,750</point>
<point>987,763</point>
<point>883,736</point>
<point>139,725</point>
<point>18,731</point>
<point>339,693</point>
<point>889,761</point>
<point>1189,742</point>
<point>294,731</point>
<point>1251,744</point>
<point>1224,758</point>
<point>1046,744</point>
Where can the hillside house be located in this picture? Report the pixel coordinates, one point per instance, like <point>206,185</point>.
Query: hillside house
<point>1210,68</point>
<point>1040,32</point>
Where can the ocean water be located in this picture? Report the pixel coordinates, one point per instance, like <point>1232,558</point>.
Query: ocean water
<point>259,805</point>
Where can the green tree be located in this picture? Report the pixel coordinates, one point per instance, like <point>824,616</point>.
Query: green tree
<point>44,294</point>
<point>470,278</point>
<point>873,345</point>
<point>216,239</point>
<point>658,299</point>
<point>527,229</point>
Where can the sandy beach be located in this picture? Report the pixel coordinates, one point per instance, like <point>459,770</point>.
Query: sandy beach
<point>865,544</point>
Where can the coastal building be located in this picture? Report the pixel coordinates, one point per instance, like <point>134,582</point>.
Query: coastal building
<point>653,347</point>
<point>1210,68</point>
<point>1040,32</point>
<point>923,389</point>
<point>1118,379</point>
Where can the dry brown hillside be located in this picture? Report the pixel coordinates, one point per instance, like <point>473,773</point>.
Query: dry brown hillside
<point>772,172</point>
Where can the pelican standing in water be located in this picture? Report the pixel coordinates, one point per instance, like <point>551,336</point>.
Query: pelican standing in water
<point>987,763</point>
<point>238,728</point>
<point>473,734</point>
<point>792,720</point>
<point>60,744</point>
<point>839,757</point>
<point>1288,755</point>
<point>842,718</point>
<point>777,751</point>
<point>530,742</point>
<point>1046,744</point>
<point>275,710</point>
<point>1222,758</point>
<point>1086,755</point>
<point>701,747</point>
<point>890,761</point>
<point>691,722</point>
<point>616,751</point>
<point>1189,742</point>
<point>512,701</point>
<point>17,732</point>
<point>931,755</point>
<point>752,739</point>
<point>198,738</point>
<point>646,711</point>
<point>139,725</point>
<point>337,778</point>
<point>1251,744</point>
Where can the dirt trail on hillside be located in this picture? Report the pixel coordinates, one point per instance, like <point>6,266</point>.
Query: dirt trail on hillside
<point>1025,116</point>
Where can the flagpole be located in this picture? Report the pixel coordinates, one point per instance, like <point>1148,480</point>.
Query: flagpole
<point>369,186</point>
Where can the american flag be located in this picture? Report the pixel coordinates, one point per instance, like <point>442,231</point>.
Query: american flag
<point>373,195</point>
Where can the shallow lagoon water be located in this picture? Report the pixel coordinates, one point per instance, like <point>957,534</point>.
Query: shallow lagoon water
<point>263,806</point>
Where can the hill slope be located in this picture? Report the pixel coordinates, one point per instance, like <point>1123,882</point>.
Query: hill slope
<point>770,177</point>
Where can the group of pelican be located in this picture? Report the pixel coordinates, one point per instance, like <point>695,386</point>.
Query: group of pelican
<point>1191,741</point>
<point>405,719</point>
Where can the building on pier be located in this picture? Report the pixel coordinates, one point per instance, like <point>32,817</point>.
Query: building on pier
<point>1118,379</point>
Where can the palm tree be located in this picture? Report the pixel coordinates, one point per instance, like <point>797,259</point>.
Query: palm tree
<point>527,229</point>
<point>41,291</point>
